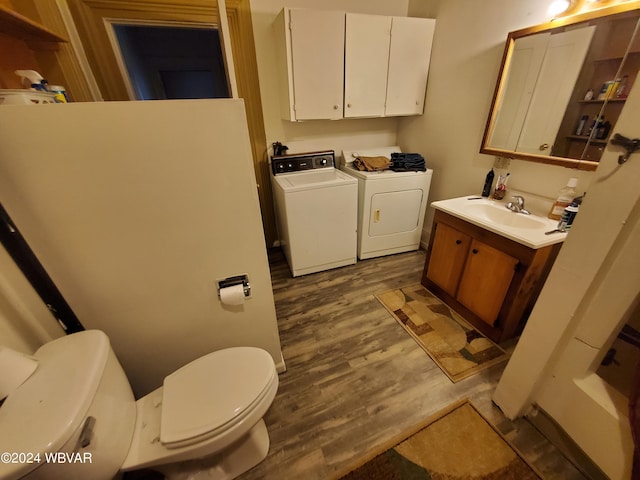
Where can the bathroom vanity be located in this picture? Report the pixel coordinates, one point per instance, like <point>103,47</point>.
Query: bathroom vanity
<point>489,264</point>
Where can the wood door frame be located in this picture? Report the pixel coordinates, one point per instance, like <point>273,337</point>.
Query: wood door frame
<point>89,15</point>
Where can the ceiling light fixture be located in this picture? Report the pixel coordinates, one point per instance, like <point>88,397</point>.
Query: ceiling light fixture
<point>558,7</point>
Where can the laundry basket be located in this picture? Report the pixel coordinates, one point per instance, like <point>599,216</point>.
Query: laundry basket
<point>25,97</point>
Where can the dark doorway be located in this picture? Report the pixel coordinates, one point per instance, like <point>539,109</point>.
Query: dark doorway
<point>165,62</point>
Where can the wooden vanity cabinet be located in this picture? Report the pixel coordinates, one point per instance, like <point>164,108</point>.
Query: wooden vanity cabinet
<point>492,281</point>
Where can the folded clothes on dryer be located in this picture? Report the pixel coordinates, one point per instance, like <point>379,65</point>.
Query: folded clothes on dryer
<point>371,164</point>
<point>408,162</point>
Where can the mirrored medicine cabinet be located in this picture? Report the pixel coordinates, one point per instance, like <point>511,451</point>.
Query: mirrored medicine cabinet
<point>562,86</point>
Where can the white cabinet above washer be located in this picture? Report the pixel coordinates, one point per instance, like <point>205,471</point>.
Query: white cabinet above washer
<point>366,55</point>
<point>346,65</point>
<point>311,51</point>
<point>409,58</point>
<point>386,65</point>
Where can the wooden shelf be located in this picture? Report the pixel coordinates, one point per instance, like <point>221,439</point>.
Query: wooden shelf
<point>581,138</point>
<point>19,26</point>
<point>616,58</point>
<point>611,100</point>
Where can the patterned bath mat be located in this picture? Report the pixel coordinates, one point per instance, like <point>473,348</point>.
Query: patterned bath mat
<point>457,443</point>
<point>458,348</point>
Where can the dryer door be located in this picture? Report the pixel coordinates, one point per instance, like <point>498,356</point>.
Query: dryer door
<point>395,212</point>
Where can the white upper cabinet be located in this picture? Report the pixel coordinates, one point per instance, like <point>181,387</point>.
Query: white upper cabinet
<point>409,57</point>
<point>312,51</point>
<point>366,64</point>
<point>352,65</point>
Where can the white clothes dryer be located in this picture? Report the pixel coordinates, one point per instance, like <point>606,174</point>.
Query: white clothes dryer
<point>391,205</point>
<point>316,211</point>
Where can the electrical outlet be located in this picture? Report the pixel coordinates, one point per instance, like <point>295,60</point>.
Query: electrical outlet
<point>501,163</point>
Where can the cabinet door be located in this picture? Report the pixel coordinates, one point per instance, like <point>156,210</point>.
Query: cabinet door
<point>560,68</point>
<point>409,57</point>
<point>317,62</point>
<point>486,279</point>
<point>366,63</point>
<point>448,255</point>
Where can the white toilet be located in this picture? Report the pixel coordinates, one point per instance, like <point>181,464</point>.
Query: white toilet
<point>78,413</point>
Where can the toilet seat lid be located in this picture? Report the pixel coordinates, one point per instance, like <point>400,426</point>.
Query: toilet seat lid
<point>212,391</point>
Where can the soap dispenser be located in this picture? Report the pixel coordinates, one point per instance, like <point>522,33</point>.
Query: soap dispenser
<point>564,199</point>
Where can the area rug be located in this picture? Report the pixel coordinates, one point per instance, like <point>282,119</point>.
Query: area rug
<point>457,443</point>
<point>456,347</point>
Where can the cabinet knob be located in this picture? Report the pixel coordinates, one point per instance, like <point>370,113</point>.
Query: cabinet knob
<point>474,251</point>
<point>458,242</point>
<point>543,147</point>
<point>336,107</point>
<point>348,105</point>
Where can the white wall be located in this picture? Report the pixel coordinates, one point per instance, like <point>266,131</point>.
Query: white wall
<point>467,50</point>
<point>136,232</point>
<point>314,135</point>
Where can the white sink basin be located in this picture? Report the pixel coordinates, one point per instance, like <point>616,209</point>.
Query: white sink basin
<point>492,215</point>
<point>498,213</point>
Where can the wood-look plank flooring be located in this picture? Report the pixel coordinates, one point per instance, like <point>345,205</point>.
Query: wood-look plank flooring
<point>355,378</point>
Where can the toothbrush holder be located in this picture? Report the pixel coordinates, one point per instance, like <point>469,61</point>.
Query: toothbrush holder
<point>501,188</point>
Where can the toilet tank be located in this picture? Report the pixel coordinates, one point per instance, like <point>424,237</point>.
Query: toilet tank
<point>73,418</point>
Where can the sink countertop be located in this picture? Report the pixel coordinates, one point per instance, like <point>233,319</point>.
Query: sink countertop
<point>492,215</point>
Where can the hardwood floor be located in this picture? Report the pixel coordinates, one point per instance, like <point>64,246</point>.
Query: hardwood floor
<point>355,378</point>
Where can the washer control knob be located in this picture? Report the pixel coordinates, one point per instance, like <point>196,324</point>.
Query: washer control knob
<point>323,162</point>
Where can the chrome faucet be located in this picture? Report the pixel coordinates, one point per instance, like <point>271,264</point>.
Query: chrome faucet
<point>518,205</point>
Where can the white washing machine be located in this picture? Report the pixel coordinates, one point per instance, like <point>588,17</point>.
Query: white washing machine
<point>391,205</point>
<point>316,211</point>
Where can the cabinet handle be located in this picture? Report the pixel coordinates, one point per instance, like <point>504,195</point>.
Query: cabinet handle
<point>376,216</point>
<point>474,251</point>
<point>458,242</point>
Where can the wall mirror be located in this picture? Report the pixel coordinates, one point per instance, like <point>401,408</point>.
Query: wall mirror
<point>562,86</point>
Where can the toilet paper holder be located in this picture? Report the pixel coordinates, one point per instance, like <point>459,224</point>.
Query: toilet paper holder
<point>236,280</point>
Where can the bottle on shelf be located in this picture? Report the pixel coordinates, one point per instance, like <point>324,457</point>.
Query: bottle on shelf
<point>595,125</point>
<point>589,95</point>
<point>564,199</point>
<point>33,79</point>
<point>608,88</point>
<point>582,124</point>
<point>603,130</point>
<point>621,91</point>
